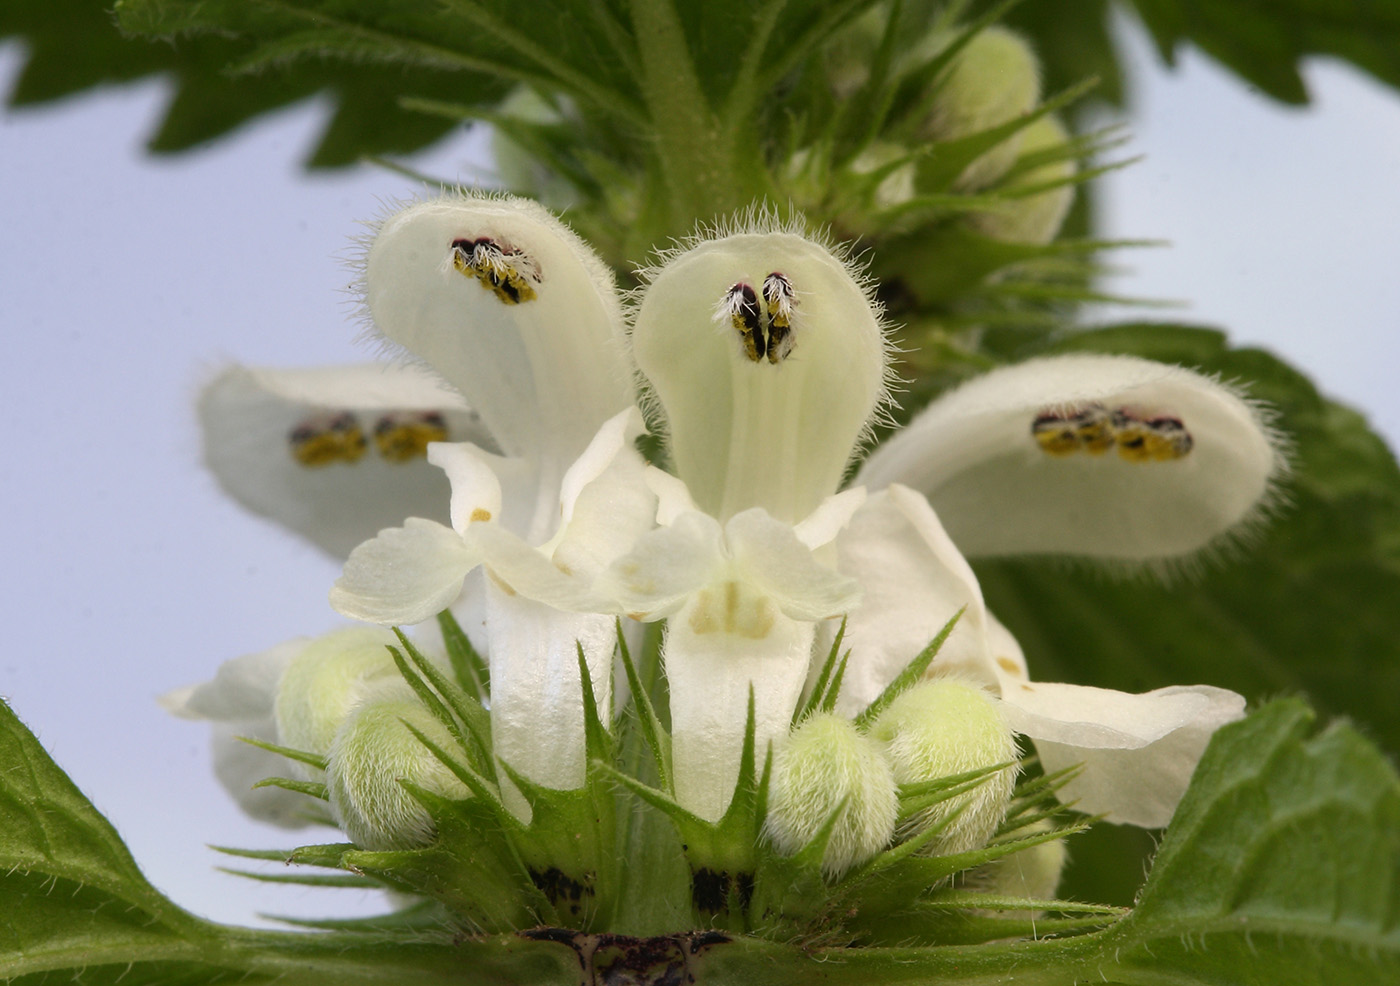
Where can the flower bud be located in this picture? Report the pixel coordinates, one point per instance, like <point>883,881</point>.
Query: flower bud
<point>1034,218</point>
<point>942,727</point>
<point>827,761</point>
<point>993,80</point>
<point>372,751</point>
<point>325,681</point>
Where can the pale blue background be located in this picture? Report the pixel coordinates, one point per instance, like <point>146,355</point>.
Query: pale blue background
<point>125,280</point>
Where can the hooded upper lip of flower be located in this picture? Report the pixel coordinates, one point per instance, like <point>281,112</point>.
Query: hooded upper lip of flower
<point>1110,457</point>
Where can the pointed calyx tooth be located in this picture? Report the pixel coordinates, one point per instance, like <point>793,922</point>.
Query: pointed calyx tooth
<point>765,330</point>
<point>1139,435</point>
<point>500,267</point>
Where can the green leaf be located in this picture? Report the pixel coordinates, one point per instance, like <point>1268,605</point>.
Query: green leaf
<point>75,45</point>
<point>1281,866</point>
<point>1264,40</point>
<point>74,908</point>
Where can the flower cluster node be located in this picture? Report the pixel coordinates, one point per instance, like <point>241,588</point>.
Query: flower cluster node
<point>541,524</point>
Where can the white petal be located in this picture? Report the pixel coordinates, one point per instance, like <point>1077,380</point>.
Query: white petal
<point>608,505</point>
<point>666,567</point>
<point>973,454</point>
<point>1138,751</point>
<point>536,696</point>
<point>405,574</point>
<point>476,492</point>
<point>823,524</point>
<point>673,496</point>
<point>914,580</point>
<point>543,372</point>
<point>710,675</point>
<point>767,555</point>
<point>242,690</point>
<point>616,434</point>
<point>746,431</point>
<point>248,417</point>
<point>520,568</point>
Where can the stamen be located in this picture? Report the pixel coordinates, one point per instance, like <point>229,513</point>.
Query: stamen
<point>1158,438</point>
<point>401,436</point>
<point>778,294</point>
<point>327,438</point>
<point>1138,436</point>
<point>740,306</point>
<point>499,267</point>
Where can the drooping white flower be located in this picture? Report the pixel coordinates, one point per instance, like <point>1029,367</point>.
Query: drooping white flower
<point>1137,751</point>
<point>1109,457</point>
<point>333,453</point>
<point>296,695</point>
<point>513,332</point>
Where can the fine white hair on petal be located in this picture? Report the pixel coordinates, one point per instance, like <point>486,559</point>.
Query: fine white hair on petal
<point>998,491</point>
<point>544,366</point>
<point>249,415</point>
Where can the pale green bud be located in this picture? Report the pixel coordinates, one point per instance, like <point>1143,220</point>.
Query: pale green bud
<point>1034,218</point>
<point>825,761</point>
<point>373,750</point>
<point>993,80</point>
<point>942,727</point>
<point>328,679</point>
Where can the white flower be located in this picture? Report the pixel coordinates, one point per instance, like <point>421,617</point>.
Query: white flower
<point>1110,457</point>
<point>499,299</point>
<point>505,303</point>
<point>492,295</point>
<point>766,356</point>
<point>333,453</point>
<point>742,600</point>
<point>1138,751</point>
<point>765,353</point>
<point>539,608</point>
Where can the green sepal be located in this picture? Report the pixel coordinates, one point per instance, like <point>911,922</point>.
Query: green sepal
<point>823,695</point>
<point>654,734</point>
<point>313,789</point>
<point>428,683</point>
<point>468,665</point>
<point>939,170</point>
<point>912,674</point>
<point>300,756</point>
<point>349,880</point>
